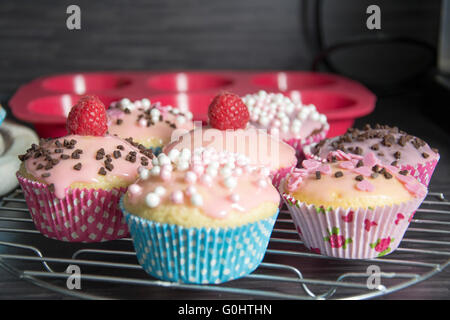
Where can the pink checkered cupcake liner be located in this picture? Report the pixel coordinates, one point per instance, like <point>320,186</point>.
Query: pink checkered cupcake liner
<point>83,215</point>
<point>351,233</point>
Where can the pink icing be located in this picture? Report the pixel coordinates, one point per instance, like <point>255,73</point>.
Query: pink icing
<point>365,186</point>
<point>131,127</point>
<point>63,174</point>
<point>261,148</point>
<point>347,163</point>
<point>230,186</point>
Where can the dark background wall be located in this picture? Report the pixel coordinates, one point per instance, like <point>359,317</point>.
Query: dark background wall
<point>202,34</point>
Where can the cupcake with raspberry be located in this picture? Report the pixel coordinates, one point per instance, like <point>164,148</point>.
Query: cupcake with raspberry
<point>201,217</point>
<point>73,184</point>
<point>390,144</point>
<point>229,130</point>
<point>351,206</point>
<point>149,124</point>
<point>289,119</point>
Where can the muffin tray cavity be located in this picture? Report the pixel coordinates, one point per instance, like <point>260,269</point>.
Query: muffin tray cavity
<point>45,102</point>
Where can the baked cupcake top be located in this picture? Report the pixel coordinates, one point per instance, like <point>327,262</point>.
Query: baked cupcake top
<point>77,160</point>
<point>203,188</point>
<point>391,145</point>
<point>229,130</point>
<point>351,181</point>
<point>149,124</point>
<point>283,116</point>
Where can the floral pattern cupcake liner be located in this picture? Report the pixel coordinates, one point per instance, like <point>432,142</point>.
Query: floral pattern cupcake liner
<point>83,215</point>
<point>351,234</point>
<point>422,172</point>
<point>199,255</point>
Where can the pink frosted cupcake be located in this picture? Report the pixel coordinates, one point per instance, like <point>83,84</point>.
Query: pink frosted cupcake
<point>73,184</point>
<point>146,123</point>
<point>351,207</point>
<point>293,122</point>
<point>229,131</point>
<point>391,145</point>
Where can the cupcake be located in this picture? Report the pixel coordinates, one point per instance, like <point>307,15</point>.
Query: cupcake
<point>293,122</point>
<point>351,206</point>
<point>391,145</point>
<point>149,124</point>
<point>73,184</point>
<point>229,130</point>
<point>201,217</point>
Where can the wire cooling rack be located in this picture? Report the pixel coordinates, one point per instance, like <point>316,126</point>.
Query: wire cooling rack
<point>110,270</point>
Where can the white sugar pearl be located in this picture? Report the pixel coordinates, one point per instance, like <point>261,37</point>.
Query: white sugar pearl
<point>315,116</point>
<point>206,179</point>
<point>182,165</point>
<point>166,175</point>
<point>197,200</point>
<point>138,104</point>
<point>234,198</point>
<point>226,172</point>
<point>152,200</point>
<point>191,190</point>
<point>190,177</point>
<point>262,183</point>
<point>189,115</point>
<point>134,189</point>
<point>177,197</point>
<point>160,191</point>
<point>174,154</point>
<point>125,101</point>
<point>264,121</point>
<point>155,113</point>
<point>143,123</point>
<point>323,118</point>
<point>185,154</point>
<point>181,119</point>
<point>211,171</point>
<point>144,174</point>
<point>155,171</point>
<point>146,103</point>
<point>230,182</point>
<point>163,159</point>
<point>155,161</point>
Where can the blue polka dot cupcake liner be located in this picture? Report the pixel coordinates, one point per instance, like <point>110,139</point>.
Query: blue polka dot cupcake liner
<point>199,255</point>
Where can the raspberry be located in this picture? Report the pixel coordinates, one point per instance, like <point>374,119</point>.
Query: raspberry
<point>228,111</point>
<point>87,117</point>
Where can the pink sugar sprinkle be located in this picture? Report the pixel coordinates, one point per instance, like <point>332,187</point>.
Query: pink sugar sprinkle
<point>325,169</point>
<point>346,165</point>
<point>370,160</point>
<point>311,164</point>
<point>365,171</point>
<point>365,186</point>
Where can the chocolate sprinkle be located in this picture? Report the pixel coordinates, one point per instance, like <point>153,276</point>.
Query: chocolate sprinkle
<point>338,174</point>
<point>318,175</point>
<point>102,171</point>
<point>359,178</point>
<point>403,172</point>
<point>77,166</point>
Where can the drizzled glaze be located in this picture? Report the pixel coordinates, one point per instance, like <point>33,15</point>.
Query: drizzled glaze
<point>149,124</point>
<point>348,179</point>
<point>60,164</point>
<point>216,182</point>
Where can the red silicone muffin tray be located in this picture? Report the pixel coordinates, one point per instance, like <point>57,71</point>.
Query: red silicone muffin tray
<point>45,102</point>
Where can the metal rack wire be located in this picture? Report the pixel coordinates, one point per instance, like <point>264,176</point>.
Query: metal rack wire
<point>288,271</point>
